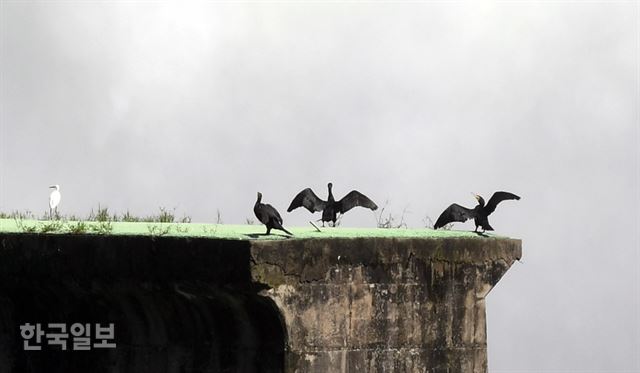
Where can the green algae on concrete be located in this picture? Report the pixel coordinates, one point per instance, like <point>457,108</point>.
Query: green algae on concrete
<point>223,231</point>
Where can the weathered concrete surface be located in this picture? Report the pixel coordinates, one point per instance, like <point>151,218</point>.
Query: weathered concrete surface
<point>213,305</point>
<point>382,305</point>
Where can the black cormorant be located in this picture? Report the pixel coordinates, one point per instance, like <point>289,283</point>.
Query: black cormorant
<point>269,216</point>
<point>480,213</point>
<point>330,208</point>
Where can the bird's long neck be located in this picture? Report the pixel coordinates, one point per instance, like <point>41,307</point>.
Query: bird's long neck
<point>481,202</point>
<point>258,201</point>
<point>330,198</point>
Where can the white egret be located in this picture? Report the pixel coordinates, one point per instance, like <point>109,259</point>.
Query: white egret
<point>54,199</point>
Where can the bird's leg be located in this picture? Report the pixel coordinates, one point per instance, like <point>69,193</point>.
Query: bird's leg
<point>50,213</point>
<point>268,231</point>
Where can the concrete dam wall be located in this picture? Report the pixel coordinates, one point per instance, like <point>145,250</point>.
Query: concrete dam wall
<point>189,304</point>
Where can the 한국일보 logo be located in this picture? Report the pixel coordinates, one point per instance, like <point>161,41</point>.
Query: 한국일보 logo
<point>56,334</point>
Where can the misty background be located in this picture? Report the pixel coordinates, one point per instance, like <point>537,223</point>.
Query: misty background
<point>137,105</point>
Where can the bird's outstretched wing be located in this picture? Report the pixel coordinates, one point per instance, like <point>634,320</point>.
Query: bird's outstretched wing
<point>496,198</point>
<point>353,199</point>
<point>453,213</point>
<point>309,200</point>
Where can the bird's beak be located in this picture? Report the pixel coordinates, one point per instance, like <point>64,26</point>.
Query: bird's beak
<point>52,186</point>
<point>477,197</point>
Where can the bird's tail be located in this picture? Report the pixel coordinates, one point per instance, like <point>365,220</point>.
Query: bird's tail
<point>286,231</point>
<point>280,227</point>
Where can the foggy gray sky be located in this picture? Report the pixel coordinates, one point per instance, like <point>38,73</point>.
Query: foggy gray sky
<point>136,105</point>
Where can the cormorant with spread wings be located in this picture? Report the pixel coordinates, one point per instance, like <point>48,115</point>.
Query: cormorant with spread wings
<point>330,208</point>
<point>479,214</point>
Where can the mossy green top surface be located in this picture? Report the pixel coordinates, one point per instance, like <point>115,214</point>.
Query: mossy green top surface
<point>225,231</point>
